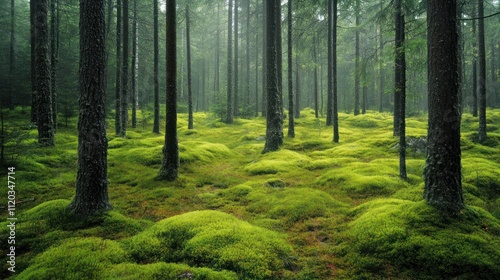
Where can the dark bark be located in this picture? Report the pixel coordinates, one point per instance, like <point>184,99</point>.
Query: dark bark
<point>381,67</point>
<point>229,109</point>
<point>110,16</point>
<point>53,61</point>
<point>91,182</point>
<point>156,123</point>
<point>474,64</point>
<point>356,62</point>
<point>329,83</point>
<point>364,86</point>
<point>291,125</point>
<point>316,62</point>
<point>335,116</point>
<point>400,88</point>
<point>134,67</point>
<point>493,71</point>
<point>481,72</point>
<point>34,97</point>
<point>44,109</point>
<point>188,61</point>
<point>461,60</point>
<point>12,55</point>
<point>297,88</point>
<point>443,186</point>
<point>274,119</point>
<point>118,77</point>
<point>236,63</point>
<point>125,55</point>
<point>279,58</point>
<point>264,59</point>
<point>257,61</point>
<point>247,95</point>
<point>170,163</point>
<point>217,54</point>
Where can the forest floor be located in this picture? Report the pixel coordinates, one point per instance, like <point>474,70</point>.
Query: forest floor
<point>312,210</point>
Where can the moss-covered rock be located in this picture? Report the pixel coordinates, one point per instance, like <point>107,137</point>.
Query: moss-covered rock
<point>410,240</point>
<point>216,240</point>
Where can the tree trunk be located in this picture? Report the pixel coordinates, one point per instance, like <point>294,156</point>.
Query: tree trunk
<point>170,163</point>
<point>279,58</point>
<point>297,88</point>
<point>110,16</point>
<point>12,55</point>
<point>274,120</point>
<point>335,117</point>
<point>135,62</point>
<point>481,72</point>
<point>364,86</point>
<point>264,59</point>
<point>329,83</point>
<point>493,102</point>
<point>217,54</point>
<point>53,62</point>
<point>247,99</point>
<point>44,110</point>
<point>315,60</point>
<point>291,125</point>
<point>156,123</point>
<point>400,88</point>
<point>125,54</point>
<point>229,109</point>
<point>443,186</point>
<point>91,182</point>
<point>474,63</point>
<point>118,77</point>
<point>34,96</point>
<point>381,67</point>
<point>236,82</point>
<point>257,61</point>
<point>356,62</point>
<point>189,85</point>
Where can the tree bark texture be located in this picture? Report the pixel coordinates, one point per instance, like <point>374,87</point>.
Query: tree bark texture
<point>118,77</point>
<point>34,97</point>
<point>135,60</point>
<point>12,54</point>
<point>229,109</point>
<point>156,122</point>
<point>44,103</point>
<point>236,63</point>
<point>335,116</point>
<point>125,54</point>
<point>264,59</point>
<point>400,88</point>
<point>329,82</point>
<point>481,72</point>
<point>189,78</point>
<point>474,63</point>
<point>443,185</point>
<point>170,163</point>
<point>91,182</point>
<point>356,62</point>
<point>53,62</point>
<point>291,125</point>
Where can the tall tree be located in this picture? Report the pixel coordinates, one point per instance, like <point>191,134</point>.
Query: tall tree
<point>279,59</point>
<point>316,62</point>
<point>264,59</point>
<point>12,55</point>
<point>217,54</point>
<point>229,111</point>
<point>356,60</point>
<point>247,55</point>
<point>274,120</point>
<point>190,91</point>
<point>125,54</point>
<point>482,71</point>
<point>236,82</point>
<point>381,65</point>
<point>44,107</point>
<point>135,62</point>
<point>34,97</point>
<point>156,122</point>
<point>443,185</point>
<point>291,125</point>
<point>335,114</point>
<point>297,88</point>
<point>118,76</point>
<point>474,63</point>
<point>92,182</point>
<point>257,60</point>
<point>53,61</point>
<point>400,87</point>
<point>170,163</point>
<point>329,82</point>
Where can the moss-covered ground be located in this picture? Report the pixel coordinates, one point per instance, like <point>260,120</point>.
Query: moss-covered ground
<point>312,210</point>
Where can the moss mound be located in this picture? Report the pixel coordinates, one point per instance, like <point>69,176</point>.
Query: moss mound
<point>280,161</point>
<point>76,258</point>
<point>410,240</point>
<point>294,205</point>
<point>213,239</point>
<point>197,151</point>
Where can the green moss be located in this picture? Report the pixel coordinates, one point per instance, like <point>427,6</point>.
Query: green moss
<point>213,239</point>
<point>414,241</point>
<point>293,205</point>
<point>76,258</point>
<point>161,270</point>
<point>197,151</point>
<point>279,161</point>
<point>236,193</point>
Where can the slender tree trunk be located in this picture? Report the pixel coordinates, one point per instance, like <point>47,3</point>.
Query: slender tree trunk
<point>335,117</point>
<point>364,86</point>
<point>124,95</point>
<point>44,110</point>
<point>156,123</point>
<point>356,62</point>
<point>493,74</point>
<point>34,96</point>
<point>315,60</point>
<point>247,99</point>
<point>297,88</point>
<point>264,59</point>
<point>443,186</point>
<point>118,75</point>
<point>274,120</point>
<point>279,60</point>
<point>91,182</point>
<point>482,72</point>
<point>12,63</point>
<point>381,72</point>
<point>189,85</point>
<point>329,83</point>
<point>257,60</point>
<point>400,86</point>
<point>53,62</point>
<point>291,125</point>
<point>474,64</point>
<point>460,58</point>
<point>236,64</point>
<point>170,164</point>
<point>135,61</point>
<point>217,54</point>
<point>229,111</point>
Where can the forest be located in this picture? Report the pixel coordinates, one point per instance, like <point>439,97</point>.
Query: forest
<point>250,139</point>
